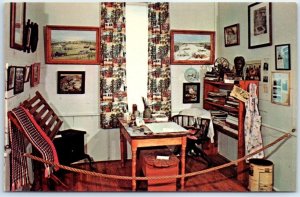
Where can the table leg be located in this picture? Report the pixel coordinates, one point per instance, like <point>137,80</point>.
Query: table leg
<point>123,146</point>
<point>183,147</point>
<point>133,167</point>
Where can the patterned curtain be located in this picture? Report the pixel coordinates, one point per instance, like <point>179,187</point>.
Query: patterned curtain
<point>113,95</point>
<point>159,79</point>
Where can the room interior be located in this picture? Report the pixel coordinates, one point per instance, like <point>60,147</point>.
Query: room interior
<point>84,110</point>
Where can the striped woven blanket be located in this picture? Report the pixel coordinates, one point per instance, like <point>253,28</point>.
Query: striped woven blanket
<point>37,137</point>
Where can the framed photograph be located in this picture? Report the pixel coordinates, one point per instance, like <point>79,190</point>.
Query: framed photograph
<point>35,74</point>
<point>280,88</point>
<point>259,25</point>
<point>10,77</point>
<point>70,82</point>
<point>19,80</point>
<point>17,24</point>
<point>72,45</point>
<point>232,35</point>
<point>282,57</point>
<point>191,92</point>
<point>192,47</point>
<point>252,70</point>
<point>27,73</point>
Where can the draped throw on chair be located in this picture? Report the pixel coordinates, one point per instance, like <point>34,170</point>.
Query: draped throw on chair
<point>113,95</point>
<point>159,93</point>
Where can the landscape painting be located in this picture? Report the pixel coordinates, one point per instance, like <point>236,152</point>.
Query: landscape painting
<point>192,47</point>
<point>72,45</point>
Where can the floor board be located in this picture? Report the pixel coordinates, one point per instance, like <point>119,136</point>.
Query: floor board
<point>216,181</point>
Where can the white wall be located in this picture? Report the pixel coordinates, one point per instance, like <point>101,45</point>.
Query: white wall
<point>189,16</point>
<point>276,119</point>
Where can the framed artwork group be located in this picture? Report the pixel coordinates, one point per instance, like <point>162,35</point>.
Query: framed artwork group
<point>18,75</point>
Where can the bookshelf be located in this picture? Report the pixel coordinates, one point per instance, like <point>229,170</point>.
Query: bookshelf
<point>228,115</point>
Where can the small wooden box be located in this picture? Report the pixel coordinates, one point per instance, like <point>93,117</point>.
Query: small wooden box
<point>155,167</point>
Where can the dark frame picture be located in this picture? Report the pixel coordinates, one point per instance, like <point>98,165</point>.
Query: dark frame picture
<point>61,48</point>
<point>70,82</point>
<point>11,77</point>
<point>19,79</point>
<point>232,35</point>
<point>282,57</point>
<point>17,24</point>
<point>35,74</point>
<point>191,92</point>
<point>259,25</point>
<point>190,47</point>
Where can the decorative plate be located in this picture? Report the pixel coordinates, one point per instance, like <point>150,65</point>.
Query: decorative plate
<point>191,75</point>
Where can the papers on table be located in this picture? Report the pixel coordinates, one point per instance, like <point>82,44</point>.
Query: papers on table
<point>165,127</point>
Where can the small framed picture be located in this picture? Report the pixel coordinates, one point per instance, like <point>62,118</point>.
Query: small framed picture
<point>70,82</point>
<point>232,35</point>
<point>282,57</point>
<point>10,77</point>
<point>27,73</point>
<point>19,79</point>
<point>280,88</point>
<point>35,74</point>
<point>191,92</point>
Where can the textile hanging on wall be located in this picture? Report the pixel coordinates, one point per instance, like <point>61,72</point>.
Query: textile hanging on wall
<point>113,95</point>
<point>159,79</point>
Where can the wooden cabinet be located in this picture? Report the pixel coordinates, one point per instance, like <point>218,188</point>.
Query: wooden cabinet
<point>228,115</point>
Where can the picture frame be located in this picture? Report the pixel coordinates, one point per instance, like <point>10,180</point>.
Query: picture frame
<point>10,77</point>
<point>35,74</point>
<point>70,82</point>
<point>27,74</point>
<point>72,45</point>
<point>259,25</point>
<point>282,57</point>
<point>232,35</point>
<point>191,47</point>
<point>280,88</point>
<point>191,92</point>
<point>17,24</point>
<point>252,70</point>
<point>19,80</point>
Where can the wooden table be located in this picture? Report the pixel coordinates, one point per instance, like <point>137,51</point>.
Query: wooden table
<point>138,139</point>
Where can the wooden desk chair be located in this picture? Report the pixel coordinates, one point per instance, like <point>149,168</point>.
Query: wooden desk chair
<point>198,129</point>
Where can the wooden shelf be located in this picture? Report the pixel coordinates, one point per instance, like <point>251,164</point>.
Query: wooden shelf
<point>216,104</point>
<point>216,86</point>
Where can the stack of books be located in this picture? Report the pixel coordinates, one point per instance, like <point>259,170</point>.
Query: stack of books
<point>232,120</point>
<point>211,76</point>
<point>218,114</point>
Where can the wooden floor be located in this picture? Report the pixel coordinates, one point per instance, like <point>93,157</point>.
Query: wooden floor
<point>210,182</point>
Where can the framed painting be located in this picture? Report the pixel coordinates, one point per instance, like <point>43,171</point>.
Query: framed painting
<point>259,25</point>
<point>10,77</point>
<point>35,74</point>
<point>72,45</point>
<point>280,88</point>
<point>192,47</point>
<point>70,82</point>
<point>191,92</point>
<point>19,80</point>
<point>282,57</point>
<point>232,35</point>
<point>17,24</point>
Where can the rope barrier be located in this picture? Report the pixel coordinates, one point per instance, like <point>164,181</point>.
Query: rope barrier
<point>285,136</point>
